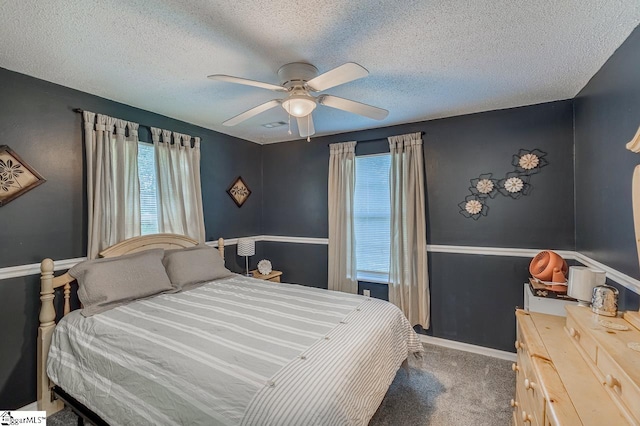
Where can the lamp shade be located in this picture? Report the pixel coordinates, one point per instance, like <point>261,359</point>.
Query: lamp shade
<point>582,281</point>
<point>246,247</point>
<point>299,105</point>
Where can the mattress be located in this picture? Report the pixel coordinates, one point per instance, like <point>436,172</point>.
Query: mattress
<point>234,351</point>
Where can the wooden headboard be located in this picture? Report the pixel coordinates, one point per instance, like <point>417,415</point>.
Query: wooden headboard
<point>48,284</point>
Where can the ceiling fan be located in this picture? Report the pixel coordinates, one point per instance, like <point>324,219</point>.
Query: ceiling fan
<point>299,79</point>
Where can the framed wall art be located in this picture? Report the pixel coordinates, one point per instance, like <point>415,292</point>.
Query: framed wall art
<point>239,191</point>
<point>16,176</point>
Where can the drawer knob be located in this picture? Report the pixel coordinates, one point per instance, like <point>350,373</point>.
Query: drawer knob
<point>514,403</point>
<point>611,381</point>
<point>573,332</point>
<point>515,367</point>
<point>529,385</point>
<point>527,418</point>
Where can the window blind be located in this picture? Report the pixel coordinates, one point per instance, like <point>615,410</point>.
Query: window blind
<point>147,176</point>
<point>372,217</point>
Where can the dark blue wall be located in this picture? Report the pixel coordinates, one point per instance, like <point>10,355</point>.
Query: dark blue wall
<point>473,297</point>
<point>607,116</point>
<point>456,149</point>
<point>37,121</point>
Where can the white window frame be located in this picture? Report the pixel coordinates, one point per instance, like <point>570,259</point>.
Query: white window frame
<point>150,146</point>
<point>372,276</point>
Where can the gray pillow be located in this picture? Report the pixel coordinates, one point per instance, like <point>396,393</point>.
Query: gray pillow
<point>194,265</point>
<point>104,284</point>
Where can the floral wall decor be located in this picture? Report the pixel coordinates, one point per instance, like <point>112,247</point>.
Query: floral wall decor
<point>515,184</point>
<point>16,176</point>
<point>239,191</point>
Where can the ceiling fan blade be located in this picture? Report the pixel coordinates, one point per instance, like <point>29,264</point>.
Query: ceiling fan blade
<point>252,112</point>
<point>247,82</point>
<point>305,126</point>
<point>340,75</point>
<point>353,106</point>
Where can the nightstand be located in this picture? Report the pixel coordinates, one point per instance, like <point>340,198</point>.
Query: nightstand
<point>274,276</point>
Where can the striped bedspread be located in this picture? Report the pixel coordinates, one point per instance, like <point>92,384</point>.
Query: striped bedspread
<point>234,351</point>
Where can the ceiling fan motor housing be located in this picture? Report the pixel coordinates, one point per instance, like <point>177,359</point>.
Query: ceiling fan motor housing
<point>296,74</point>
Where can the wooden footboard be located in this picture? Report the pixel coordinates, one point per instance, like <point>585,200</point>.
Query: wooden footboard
<point>47,316</point>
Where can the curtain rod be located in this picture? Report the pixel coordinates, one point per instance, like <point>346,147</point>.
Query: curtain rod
<point>80,111</point>
<point>383,138</point>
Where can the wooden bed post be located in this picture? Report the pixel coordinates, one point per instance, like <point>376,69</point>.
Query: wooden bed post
<point>221,247</point>
<point>47,324</point>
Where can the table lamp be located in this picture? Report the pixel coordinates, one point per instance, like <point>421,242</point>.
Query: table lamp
<point>582,281</point>
<point>246,248</point>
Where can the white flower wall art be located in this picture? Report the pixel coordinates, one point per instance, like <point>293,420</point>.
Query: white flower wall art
<point>515,184</point>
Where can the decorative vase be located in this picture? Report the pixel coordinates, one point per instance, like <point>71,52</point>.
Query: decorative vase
<point>264,267</point>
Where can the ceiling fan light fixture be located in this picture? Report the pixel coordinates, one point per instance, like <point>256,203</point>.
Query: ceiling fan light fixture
<point>299,105</point>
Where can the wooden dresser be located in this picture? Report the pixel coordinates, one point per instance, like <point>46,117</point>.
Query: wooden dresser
<point>574,371</point>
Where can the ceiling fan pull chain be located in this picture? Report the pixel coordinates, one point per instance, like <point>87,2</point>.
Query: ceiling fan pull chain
<point>308,126</point>
<point>289,123</point>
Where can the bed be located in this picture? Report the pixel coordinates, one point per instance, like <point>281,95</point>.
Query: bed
<point>233,351</point>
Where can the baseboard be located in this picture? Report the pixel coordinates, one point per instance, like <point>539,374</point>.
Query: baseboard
<point>481,350</point>
<point>30,407</point>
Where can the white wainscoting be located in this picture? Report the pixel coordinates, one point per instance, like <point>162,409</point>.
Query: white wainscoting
<point>613,274</point>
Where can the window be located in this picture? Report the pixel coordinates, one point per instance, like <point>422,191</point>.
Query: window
<point>147,177</point>
<point>372,217</point>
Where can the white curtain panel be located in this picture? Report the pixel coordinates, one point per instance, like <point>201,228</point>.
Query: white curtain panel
<point>408,275</point>
<point>342,246</point>
<point>179,189</point>
<point>113,188</point>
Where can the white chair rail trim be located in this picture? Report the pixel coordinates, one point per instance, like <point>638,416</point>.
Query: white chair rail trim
<point>613,274</point>
<point>34,268</point>
<point>495,251</point>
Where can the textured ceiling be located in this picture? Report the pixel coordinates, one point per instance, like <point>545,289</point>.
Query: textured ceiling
<point>427,59</point>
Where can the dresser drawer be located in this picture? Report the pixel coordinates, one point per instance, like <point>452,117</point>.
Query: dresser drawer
<point>582,338</point>
<point>516,407</point>
<point>534,394</point>
<point>524,412</point>
<point>548,420</point>
<point>618,381</point>
<point>530,399</point>
<point>528,419</point>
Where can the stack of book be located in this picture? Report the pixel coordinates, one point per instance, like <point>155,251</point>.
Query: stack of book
<point>550,290</point>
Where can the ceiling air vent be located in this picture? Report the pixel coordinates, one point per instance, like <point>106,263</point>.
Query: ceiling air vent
<point>274,124</point>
